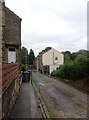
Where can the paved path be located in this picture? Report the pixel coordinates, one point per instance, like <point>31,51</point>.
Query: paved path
<point>64,100</point>
<point>26,106</point>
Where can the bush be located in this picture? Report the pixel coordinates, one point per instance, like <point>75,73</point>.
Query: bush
<point>65,70</point>
<point>54,73</point>
<point>82,63</point>
<point>24,67</point>
<point>78,67</point>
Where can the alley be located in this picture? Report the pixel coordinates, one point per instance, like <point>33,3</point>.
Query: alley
<point>26,104</point>
<point>65,101</point>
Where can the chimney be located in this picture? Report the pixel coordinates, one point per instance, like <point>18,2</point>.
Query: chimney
<point>2,2</point>
<point>43,51</point>
<point>48,48</point>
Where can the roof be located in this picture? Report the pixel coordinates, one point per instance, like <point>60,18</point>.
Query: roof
<point>50,50</point>
<point>13,13</point>
<point>44,51</point>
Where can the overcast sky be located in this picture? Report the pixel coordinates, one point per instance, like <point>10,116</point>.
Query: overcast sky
<point>61,24</point>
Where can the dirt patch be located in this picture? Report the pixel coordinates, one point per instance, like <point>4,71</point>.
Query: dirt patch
<point>83,84</point>
<point>80,84</point>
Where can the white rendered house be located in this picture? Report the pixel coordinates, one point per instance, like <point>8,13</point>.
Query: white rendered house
<point>53,59</point>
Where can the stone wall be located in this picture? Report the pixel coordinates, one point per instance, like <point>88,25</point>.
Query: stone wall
<point>0,58</point>
<point>11,33</point>
<point>0,32</point>
<point>11,83</point>
<point>9,97</point>
<point>40,63</point>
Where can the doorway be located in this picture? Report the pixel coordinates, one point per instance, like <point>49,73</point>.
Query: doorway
<point>11,55</point>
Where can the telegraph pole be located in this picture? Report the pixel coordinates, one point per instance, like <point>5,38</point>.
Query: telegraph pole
<point>37,84</point>
<point>26,59</point>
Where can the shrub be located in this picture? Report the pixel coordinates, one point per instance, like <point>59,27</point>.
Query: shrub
<point>82,63</point>
<point>78,67</point>
<point>54,73</point>
<point>65,70</point>
<point>24,67</point>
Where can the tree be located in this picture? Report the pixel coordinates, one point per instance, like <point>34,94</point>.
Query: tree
<point>74,55</point>
<point>75,67</point>
<point>24,55</point>
<point>88,54</point>
<point>31,57</point>
<point>24,58</point>
<point>82,52</point>
<point>67,56</point>
<point>82,64</point>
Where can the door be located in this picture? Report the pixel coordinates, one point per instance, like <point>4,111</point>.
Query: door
<point>48,70</point>
<point>11,55</point>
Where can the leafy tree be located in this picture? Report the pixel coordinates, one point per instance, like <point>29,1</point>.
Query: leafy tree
<point>67,55</point>
<point>31,57</point>
<point>24,67</point>
<point>73,55</point>
<point>82,63</point>
<point>88,54</point>
<point>80,52</point>
<point>77,66</point>
<point>24,55</point>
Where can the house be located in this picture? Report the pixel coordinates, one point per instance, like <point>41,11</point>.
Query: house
<point>11,35</point>
<point>40,62</point>
<point>49,60</point>
<point>10,51</point>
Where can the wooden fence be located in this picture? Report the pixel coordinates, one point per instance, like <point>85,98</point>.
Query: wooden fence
<point>9,71</point>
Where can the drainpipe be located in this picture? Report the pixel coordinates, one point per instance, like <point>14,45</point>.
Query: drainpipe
<point>53,58</point>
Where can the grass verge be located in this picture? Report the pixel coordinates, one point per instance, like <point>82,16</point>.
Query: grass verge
<point>48,108</point>
<point>78,103</point>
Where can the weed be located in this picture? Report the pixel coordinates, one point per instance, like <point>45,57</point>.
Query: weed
<point>78,104</point>
<point>48,108</point>
<point>55,86</point>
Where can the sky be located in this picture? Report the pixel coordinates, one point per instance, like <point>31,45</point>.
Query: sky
<point>61,24</point>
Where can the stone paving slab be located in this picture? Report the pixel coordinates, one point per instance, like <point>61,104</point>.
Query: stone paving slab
<point>26,105</point>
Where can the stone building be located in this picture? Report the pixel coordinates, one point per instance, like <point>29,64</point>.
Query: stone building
<point>40,63</point>
<point>11,35</point>
<point>0,31</point>
<point>49,60</point>
<point>52,60</point>
<point>10,51</point>
<point>40,59</point>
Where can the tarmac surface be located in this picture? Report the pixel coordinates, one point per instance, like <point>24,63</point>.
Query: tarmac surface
<point>64,100</point>
<point>26,103</point>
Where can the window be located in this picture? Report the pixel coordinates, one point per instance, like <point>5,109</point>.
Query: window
<point>56,58</point>
<point>11,55</point>
<point>57,68</point>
